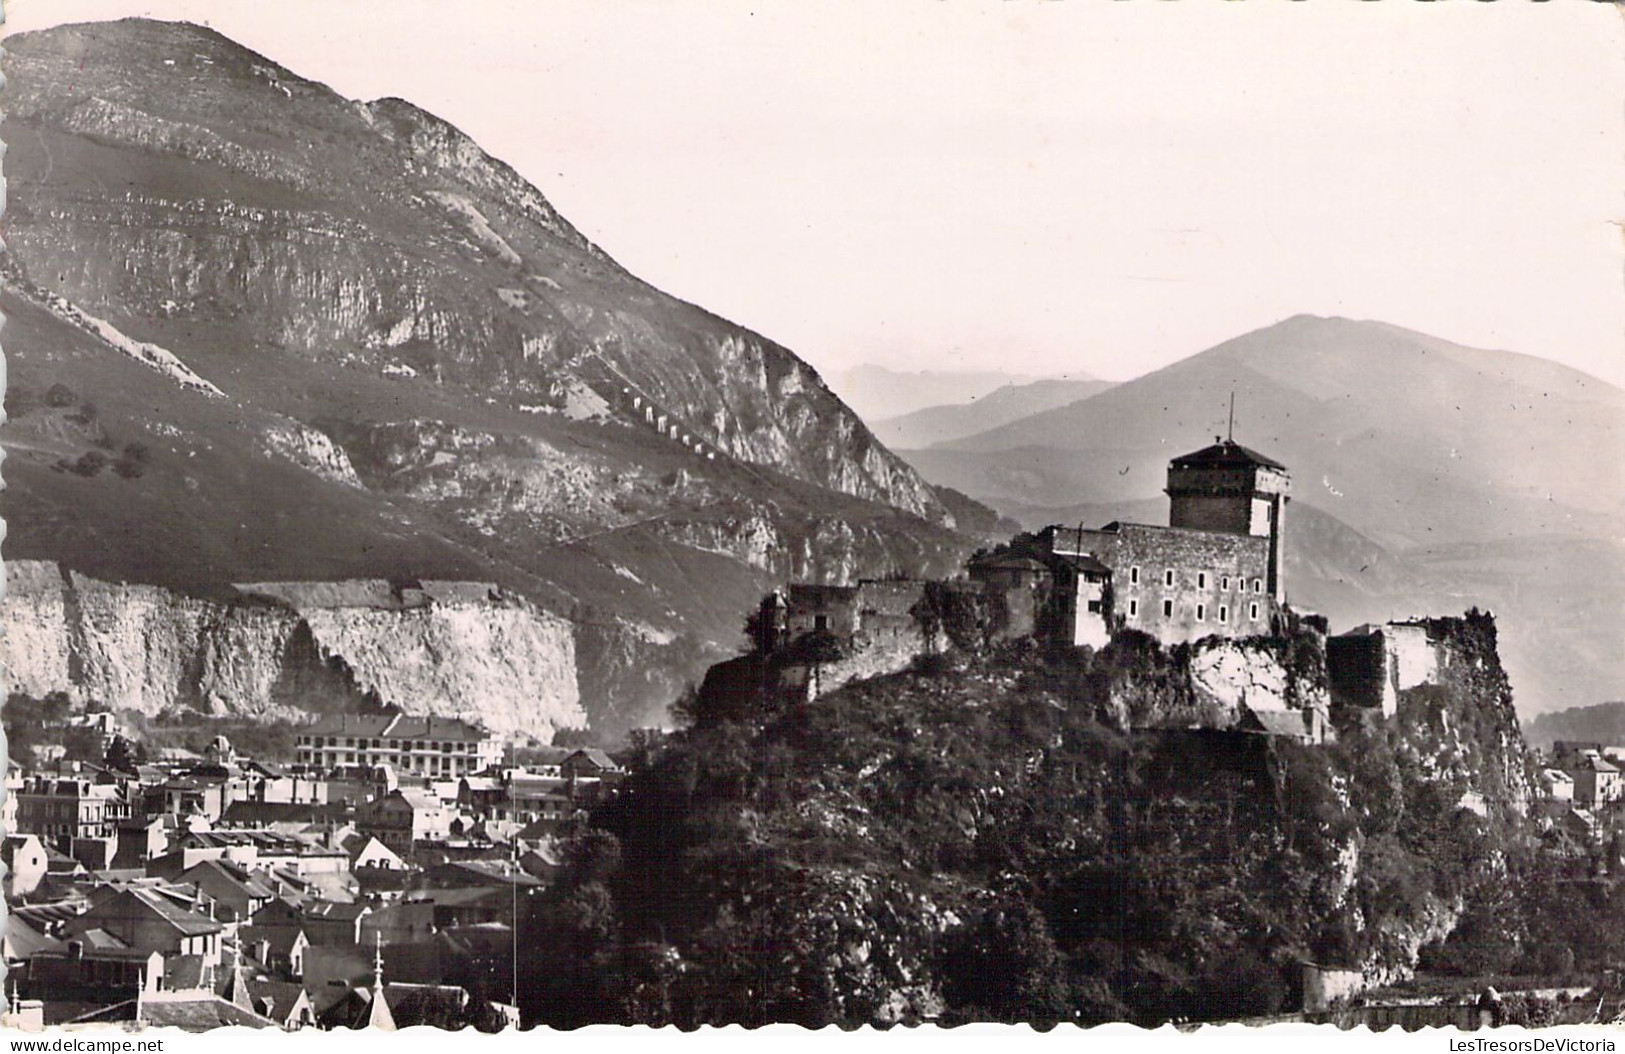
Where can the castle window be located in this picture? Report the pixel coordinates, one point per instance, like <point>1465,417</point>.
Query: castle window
<point>1224,581</point>
<point>821,622</point>
<point>1168,608</point>
<point>1201,580</point>
<point>1168,577</point>
<point>1094,607</point>
<point>1201,612</point>
<point>1133,608</point>
<point>1258,585</point>
<point>1134,576</point>
<point>1252,610</point>
<point>1224,613</point>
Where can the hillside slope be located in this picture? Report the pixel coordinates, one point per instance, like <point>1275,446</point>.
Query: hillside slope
<point>344,342</point>
<point>1012,402</point>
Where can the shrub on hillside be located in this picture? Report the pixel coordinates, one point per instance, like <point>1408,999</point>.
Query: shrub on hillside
<point>60,396</point>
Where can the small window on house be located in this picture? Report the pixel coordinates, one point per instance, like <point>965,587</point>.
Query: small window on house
<point>1168,577</point>
<point>1133,608</point>
<point>1252,610</point>
<point>821,622</point>
<point>1167,609</point>
<point>1201,580</point>
<point>1224,613</point>
<point>1134,576</point>
<point>1094,607</point>
<point>1201,612</point>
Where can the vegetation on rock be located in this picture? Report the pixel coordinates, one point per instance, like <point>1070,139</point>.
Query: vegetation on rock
<point>983,846</point>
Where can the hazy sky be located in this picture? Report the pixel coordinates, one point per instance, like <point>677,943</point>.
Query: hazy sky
<point>1038,186</point>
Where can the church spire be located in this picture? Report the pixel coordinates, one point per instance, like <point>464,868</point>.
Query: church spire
<point>236,985</point>
<point>378,1015</point>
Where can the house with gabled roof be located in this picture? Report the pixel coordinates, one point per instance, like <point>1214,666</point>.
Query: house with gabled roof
<point>280,947</point>
<point>1596,782</point>
<point>235,892</point>
<point>147,920</point>
<point>25,860</point>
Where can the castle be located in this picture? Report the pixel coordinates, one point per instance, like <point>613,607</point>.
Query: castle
<point>1212,577</point>
<point>1215,570</point>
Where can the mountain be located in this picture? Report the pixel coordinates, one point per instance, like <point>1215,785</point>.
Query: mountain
<point>259,332</point>
<point>878,393</point>
<point>1485,477</point>
<point>1603,723</point>
<point>1012,402</point>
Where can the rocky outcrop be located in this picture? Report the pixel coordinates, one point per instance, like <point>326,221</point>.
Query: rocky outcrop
<point>1460,729</point>
<point>290,649</point>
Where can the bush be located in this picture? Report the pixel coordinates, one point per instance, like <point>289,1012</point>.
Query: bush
<point>90,463</point>
<point>58,396</point>
<point>136,452</point>
<point>128,469</point>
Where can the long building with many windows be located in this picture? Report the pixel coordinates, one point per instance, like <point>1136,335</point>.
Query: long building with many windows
<point>439,747</point>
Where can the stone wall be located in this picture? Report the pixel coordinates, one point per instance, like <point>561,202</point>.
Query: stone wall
<point>1357,669</point>
<point>1219,581</point>
<point>870,656</point>
<point>1325,987</point>
<point>1368,667</point>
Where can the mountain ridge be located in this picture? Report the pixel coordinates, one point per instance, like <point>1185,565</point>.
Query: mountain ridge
<point>425,372</point>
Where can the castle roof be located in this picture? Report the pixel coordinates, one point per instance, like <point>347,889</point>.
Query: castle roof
<point>1225,454</point>
<point>1007,560</point>
<point>1084,562</point>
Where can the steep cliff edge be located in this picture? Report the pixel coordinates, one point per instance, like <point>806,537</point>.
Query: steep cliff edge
<point>288,650</point>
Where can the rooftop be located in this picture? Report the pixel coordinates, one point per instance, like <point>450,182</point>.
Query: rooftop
<point>1225,454</point>
<point>397,726</point>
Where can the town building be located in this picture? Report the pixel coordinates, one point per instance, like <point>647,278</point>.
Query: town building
<point>435,747</point>
<point>1597,781</point>
<point>62,809</point>
<point>404,817</point>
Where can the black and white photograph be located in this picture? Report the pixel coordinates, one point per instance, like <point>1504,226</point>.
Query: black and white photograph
<point>941,513</point>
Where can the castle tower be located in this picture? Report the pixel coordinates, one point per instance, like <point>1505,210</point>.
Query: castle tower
<point>1226,487</point>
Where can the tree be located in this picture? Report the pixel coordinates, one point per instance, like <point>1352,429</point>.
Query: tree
<point>124,755</point>
<point>82,743</point>
<point>1004,966</point>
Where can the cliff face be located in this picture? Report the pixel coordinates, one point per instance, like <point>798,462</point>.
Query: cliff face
<point>1460,730</point>
<point>289,650</point>
<point>304,338</point>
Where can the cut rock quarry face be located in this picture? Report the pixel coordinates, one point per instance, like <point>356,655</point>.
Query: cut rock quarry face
<point>284,650</point>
